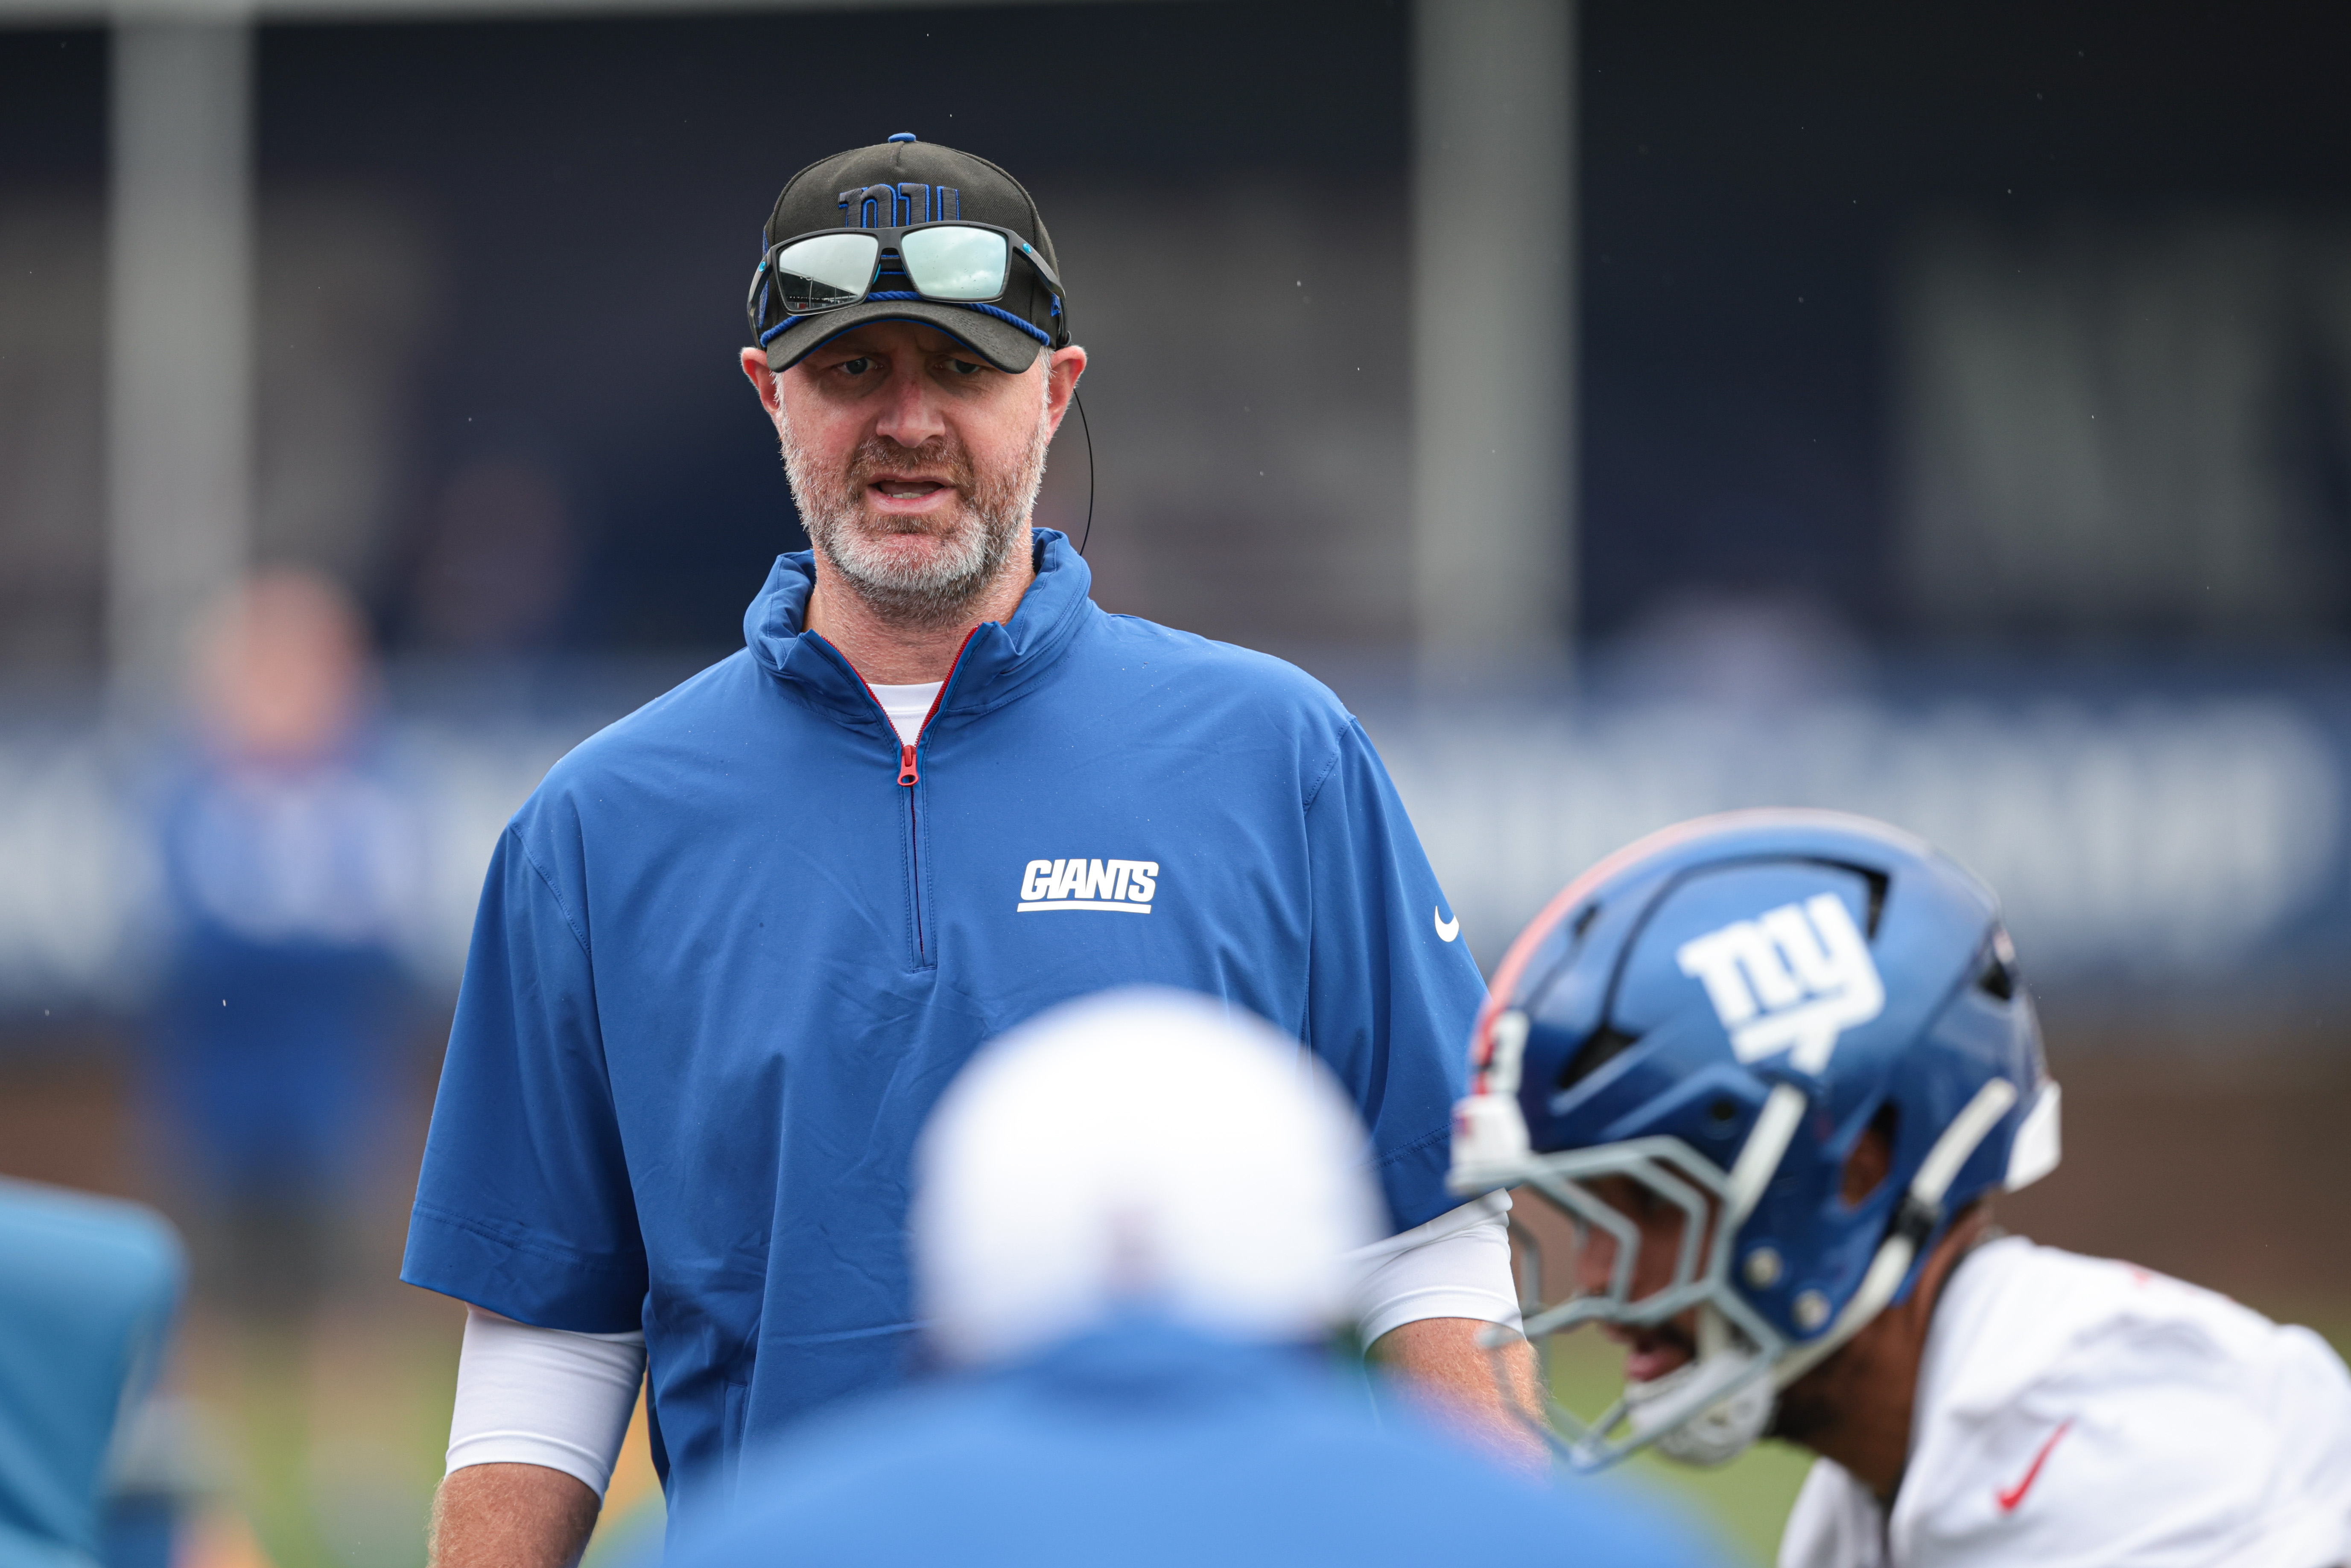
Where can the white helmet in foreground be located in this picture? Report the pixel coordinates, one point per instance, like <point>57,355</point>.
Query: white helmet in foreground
<point>1141,1149</point>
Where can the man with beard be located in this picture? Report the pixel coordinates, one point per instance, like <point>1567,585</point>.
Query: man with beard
<point>734,947</point>
<point>1776,1067</point>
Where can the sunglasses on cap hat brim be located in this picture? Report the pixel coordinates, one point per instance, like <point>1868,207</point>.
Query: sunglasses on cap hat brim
<point>955,262</point>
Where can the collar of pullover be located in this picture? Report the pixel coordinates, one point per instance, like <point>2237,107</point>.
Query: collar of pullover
<point>1001,660</point>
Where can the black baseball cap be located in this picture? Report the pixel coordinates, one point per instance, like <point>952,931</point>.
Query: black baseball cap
<point>905,181</point>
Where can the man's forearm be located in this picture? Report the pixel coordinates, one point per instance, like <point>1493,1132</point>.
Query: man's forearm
<point>1445,1362</point>
<point>511,1516</point>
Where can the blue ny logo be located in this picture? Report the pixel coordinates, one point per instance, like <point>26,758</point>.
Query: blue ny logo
<point>897,206</point>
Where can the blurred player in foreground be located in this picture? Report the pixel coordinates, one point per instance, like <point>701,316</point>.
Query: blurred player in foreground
<point>88,1289</point>
<point>1131,1228</point>
<point>1775,1065</point>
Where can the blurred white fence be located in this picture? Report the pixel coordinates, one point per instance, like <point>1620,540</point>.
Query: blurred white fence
<point>2173,838</point>
<point>2170,839</point>
<point>78,891</point>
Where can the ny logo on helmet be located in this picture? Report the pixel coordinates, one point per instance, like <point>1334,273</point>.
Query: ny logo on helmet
<point>1792,980</point>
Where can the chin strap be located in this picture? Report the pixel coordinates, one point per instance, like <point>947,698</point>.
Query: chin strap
<point>1724,1427</point>
<point>1921,1212</point>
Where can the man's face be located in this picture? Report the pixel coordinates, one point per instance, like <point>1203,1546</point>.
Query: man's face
<point>1651,1350</point>
<point>915,462</point>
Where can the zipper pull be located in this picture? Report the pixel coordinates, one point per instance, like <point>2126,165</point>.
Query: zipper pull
<point>907,774</point>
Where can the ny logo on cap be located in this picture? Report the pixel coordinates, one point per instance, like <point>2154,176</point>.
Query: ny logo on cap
<point>1792,980</point>
<point>897,206</point>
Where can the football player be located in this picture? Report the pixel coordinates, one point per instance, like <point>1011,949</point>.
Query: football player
<point>1134,1223</point>
<point>1776,1067</point>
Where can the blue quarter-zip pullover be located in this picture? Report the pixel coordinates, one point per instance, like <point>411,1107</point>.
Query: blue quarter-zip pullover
<point>733,947</point>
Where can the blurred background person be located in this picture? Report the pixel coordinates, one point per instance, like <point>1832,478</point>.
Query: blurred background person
<point>290,871</point>
<point>1132,1227</point>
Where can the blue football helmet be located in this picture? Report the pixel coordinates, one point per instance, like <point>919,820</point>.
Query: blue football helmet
<point>1719,1012</point>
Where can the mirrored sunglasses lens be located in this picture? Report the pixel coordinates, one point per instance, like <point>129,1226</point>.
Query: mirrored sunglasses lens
<point>954,263</point>
<point>825,272</point>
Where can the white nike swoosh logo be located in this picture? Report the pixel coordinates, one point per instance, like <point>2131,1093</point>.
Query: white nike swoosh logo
<point>1446,930</point>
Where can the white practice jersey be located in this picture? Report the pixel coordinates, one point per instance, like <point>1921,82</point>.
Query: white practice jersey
<point>2073,1411</point>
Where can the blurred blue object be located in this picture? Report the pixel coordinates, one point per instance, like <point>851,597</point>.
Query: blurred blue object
<point>1145,1443</point>
<point>87,1289</point>
<point>141,1531</point>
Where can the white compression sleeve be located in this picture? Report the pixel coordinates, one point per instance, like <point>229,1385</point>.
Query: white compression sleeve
<point>544,1396</point>
<point>1456,1265</point>
<point>553,1397</point>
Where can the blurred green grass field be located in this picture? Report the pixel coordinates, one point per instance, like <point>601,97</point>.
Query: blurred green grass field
<point>337,1474</point>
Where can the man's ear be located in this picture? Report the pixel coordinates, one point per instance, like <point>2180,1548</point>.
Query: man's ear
<point>754,366</point>
<point>1061,373</point>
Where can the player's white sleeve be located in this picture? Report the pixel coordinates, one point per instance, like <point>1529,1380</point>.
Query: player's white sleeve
<point>1456,1265</point>
<point>544,1396</point>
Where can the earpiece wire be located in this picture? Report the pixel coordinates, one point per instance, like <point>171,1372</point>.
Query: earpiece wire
<point>1089,430</point>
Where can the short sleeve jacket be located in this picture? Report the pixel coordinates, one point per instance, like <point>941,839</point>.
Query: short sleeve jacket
<point>735,946</point>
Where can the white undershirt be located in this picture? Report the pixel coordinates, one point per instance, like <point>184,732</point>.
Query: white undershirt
<point>550,1397</point>
<point>908,706</point>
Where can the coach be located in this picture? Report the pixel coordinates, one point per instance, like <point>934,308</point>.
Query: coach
<point>731,950</point>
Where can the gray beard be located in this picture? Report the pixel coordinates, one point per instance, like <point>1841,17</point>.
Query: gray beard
<point>992,521</point>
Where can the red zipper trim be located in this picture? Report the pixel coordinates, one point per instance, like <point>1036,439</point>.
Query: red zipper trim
<point>908,774</point>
